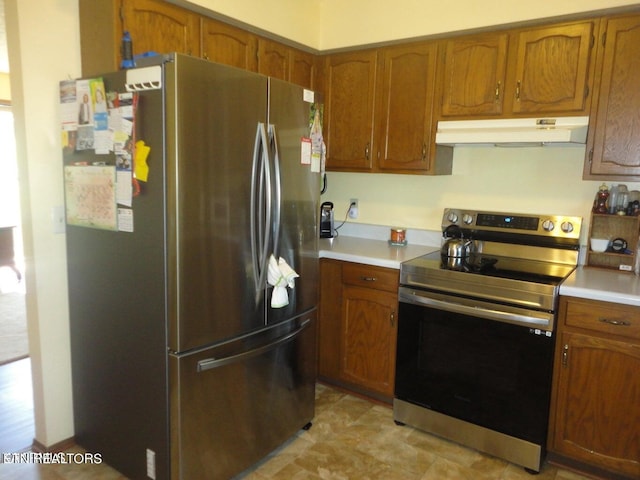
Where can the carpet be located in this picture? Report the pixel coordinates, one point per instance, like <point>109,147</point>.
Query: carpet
<point>14,344</point>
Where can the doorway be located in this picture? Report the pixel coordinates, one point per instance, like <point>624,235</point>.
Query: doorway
<point>16,394</point>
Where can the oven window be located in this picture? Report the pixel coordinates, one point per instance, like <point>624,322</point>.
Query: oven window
<point>489,373</point>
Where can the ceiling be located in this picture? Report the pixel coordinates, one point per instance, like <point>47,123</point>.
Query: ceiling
<point>4,57</point>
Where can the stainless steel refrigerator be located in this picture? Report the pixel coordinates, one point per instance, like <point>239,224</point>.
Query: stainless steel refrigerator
<point>181,367</point>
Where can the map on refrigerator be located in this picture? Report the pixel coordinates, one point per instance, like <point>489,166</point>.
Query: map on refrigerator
<point>90,193</point>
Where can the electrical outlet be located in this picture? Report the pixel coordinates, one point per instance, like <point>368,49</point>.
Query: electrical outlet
<point>151,464</point>
<point>353,208</point>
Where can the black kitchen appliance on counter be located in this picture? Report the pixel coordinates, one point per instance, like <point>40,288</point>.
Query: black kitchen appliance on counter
<point>476,333</point>
<point>326,220</point>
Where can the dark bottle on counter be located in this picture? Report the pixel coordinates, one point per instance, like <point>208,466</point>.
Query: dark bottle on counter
<point>600,203</point>
<point>127,52</point>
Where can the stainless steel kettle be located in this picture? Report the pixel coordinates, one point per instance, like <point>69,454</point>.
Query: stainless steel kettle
<point>455,250</point>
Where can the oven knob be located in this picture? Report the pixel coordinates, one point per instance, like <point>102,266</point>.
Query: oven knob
<point>548,225</point>
<point>467,219</point>
<point>452,217</point>
<point>567,227</point>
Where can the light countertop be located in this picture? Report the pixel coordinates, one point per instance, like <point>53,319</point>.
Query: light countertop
<point>604,285</point>
<point>370,252</point>
<point>585,282</point>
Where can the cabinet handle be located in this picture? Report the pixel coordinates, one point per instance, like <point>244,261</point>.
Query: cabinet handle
<point>424,152</point>
<point>518,85</point>
<point>366,150</point>
<point>565,355</point>
<point>368,279</point>
<point>617,323</point>
<point>393,318</point>
<point>498,91</point>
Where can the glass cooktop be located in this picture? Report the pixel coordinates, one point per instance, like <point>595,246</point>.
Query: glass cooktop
<point>496,266</point>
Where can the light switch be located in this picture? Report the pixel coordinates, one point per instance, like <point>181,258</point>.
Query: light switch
<point>58,219</point>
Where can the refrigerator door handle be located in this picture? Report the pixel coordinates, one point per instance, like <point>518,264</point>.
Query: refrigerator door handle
<point>277,202</point>
<point>260,212</point>
<point>210,363</point>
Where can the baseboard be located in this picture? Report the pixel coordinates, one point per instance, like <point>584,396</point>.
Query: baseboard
<point>61,446</point>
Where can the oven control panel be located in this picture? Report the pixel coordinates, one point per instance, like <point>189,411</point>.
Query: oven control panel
<point>517,223</point>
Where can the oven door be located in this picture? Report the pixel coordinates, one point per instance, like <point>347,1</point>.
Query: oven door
<point>495,374</point>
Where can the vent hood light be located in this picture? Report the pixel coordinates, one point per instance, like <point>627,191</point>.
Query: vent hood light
<point>560,131</point>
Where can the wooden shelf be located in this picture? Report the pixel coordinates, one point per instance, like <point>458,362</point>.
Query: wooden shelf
<point>612,227</point>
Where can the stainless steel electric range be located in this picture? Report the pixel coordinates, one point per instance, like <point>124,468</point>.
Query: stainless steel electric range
<point>476,331</point>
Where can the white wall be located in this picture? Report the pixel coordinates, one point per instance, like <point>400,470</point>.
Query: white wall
<point>44,48</point>
<point>356,22</point>
<point>521,180</point>
<point>331,24</point>
<point>43,38</point>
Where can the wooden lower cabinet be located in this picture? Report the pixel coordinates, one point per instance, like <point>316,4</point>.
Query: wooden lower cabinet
<point>358,327</point>
<point>368,343</point>
<point>595,419</point>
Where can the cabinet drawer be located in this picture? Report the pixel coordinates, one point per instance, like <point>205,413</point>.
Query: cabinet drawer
<point>370,276</point>
<point>604,317</point>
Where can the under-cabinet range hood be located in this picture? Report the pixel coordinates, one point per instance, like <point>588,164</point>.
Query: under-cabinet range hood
<point>559,131</point>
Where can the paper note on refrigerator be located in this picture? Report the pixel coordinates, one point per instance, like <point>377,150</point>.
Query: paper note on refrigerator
<point>90,193</point>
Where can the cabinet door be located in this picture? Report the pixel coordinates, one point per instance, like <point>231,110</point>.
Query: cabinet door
<point>302,69</point>
<point>369,333</point>
<point>473,78</point>
<point>552,69</point>
<point>598,405</point>
<point>349,103</point>
<point>225,44</point>
<point>273,59</point>
<point>616,146</point>
<point>404,113</point>
<point>161,27</point>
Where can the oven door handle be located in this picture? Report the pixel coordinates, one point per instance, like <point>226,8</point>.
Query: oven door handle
<point>417,297</point>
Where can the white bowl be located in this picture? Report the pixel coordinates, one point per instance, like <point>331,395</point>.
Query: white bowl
<point>599,244</point>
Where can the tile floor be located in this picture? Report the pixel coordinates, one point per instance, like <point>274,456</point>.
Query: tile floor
<point>351,438</point>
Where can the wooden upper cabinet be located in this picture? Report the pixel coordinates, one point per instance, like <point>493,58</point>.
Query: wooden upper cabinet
<point>404,116</point>
<point>161,27</point>
<point>552,69</point>
<point>229,45</point>
<point>350,90</point>
<point>379,111</point>
<point>302,69</point>
<point>529,72</point>
<point>613,146</point>
<point>273,59</point>
<point>474,74</point>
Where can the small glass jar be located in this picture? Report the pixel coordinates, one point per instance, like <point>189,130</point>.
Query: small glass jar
<point>398,236</point>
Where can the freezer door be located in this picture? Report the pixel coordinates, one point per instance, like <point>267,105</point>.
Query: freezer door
<point>213,112</point>
<point>296,198</point>
<point>233,404</point>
